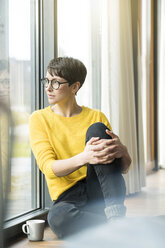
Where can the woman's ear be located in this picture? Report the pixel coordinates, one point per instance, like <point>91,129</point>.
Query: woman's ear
<point>75,87</point>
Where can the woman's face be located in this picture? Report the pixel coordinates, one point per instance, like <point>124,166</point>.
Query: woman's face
<point>63,93</point>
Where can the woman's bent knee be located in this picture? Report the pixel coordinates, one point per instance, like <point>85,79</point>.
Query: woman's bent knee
<point>97,129</point>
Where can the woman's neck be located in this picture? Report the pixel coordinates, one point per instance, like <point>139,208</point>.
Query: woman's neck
<point>67,109</point>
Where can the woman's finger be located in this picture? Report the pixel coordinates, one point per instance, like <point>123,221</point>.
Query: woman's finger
<point>110,133</point>
<point>92,140</point>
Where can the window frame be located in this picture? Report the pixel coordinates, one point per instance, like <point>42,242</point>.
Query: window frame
<point>42,18</point>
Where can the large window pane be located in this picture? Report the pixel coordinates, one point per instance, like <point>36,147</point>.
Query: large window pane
<point>17,69</point>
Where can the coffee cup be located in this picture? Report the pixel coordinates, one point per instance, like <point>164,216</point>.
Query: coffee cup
<point>34,229</point>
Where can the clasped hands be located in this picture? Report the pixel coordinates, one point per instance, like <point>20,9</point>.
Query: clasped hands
<point>104,151</point>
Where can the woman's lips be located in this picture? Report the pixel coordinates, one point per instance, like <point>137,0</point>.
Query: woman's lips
<point>51,96</point>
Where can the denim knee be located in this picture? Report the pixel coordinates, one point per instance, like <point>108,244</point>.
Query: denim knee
<point>60,217</point>
<point>97,129</point>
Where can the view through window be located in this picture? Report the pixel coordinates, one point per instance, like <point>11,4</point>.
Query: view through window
<point>17,75</point>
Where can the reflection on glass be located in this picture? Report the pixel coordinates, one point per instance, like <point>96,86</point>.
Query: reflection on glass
<point>15,82</point>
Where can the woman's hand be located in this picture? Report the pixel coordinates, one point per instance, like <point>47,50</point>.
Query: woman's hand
<point>121,152</point>
<point>105,151</point>
<point>112,147</point>
<point>96,152</point>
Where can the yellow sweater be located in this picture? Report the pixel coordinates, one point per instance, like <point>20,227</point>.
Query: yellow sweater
<point>53,136</point>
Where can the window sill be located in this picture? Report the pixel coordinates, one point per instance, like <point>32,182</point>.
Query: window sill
<point>49,240</point>
<point>13,227</point>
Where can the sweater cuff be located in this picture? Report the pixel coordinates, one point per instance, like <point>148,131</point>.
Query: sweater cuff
<point>47,170</point>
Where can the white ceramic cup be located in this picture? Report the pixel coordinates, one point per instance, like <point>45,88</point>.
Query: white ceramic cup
<point>34,229</point>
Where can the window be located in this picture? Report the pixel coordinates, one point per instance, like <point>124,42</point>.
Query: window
<point>25,50</point>
<point>18,90</point>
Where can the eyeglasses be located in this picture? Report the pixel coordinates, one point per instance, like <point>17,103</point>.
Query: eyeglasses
<point>54,83</point>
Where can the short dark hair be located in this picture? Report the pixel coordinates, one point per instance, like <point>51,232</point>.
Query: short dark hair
<point>73,70</point>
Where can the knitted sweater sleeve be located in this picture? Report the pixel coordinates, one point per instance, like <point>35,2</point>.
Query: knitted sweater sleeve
<point>40,145</point>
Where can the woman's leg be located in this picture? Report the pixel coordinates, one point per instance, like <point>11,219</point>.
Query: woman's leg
<point>109,177</point>
<point>82,206</point>
<point>70,212</point>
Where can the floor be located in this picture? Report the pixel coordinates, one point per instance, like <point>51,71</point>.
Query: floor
<point>149,202</point>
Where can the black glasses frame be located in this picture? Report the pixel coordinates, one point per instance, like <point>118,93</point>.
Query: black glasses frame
<point>45,81</point>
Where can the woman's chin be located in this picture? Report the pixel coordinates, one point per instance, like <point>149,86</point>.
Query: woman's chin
<point>51,100</point>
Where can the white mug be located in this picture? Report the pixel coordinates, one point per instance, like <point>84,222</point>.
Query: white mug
<point>34,229</point>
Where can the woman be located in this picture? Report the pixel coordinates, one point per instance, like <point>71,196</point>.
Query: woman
<point>81,158</point>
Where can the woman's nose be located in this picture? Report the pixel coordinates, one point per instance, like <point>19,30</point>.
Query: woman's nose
<point>49,88</point>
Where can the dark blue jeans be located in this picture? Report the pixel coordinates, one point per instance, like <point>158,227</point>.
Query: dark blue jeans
<point>93,200</point>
